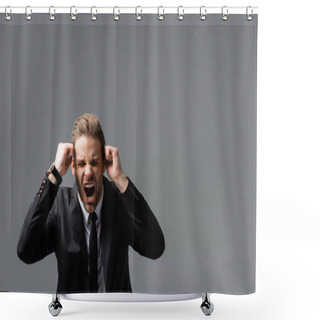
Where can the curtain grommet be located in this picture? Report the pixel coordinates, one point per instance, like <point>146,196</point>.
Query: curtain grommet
<point>52,12</point>
<point>116,16</point>
<point>224,13</point>
<point>28,13</point>
<point>7,12</point>
<point>180,13</point>
<point>73,13</point>
<point>203,13</point>
<point>249,16</point>
<point>160,15</point>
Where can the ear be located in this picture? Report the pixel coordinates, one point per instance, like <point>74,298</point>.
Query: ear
<point>73,167</point>
<point>104,160</point>
<point>104,166</point>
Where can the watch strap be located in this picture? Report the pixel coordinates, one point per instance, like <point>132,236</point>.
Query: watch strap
<point>55,173</point>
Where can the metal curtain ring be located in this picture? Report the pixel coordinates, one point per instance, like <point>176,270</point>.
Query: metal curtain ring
<point>93,16</point>
<point>73,13</point>
<point>180,14</point>
<point>52,11</point>
<point>249,16</point>
<point>28,13</point>
<point>116,16</point>
<point>160,15</point>
<point>7,12</point>
<point>138,16</point>
<point>224,13</point>
<point>203,13</point>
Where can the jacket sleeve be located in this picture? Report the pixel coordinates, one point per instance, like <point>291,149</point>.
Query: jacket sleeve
<point>146,236</point>
<point>37,234</point>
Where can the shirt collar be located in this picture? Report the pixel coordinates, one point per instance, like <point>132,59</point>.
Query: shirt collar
<point>97,211</point>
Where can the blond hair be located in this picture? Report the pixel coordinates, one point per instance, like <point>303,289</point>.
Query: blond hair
<point>88,125</point>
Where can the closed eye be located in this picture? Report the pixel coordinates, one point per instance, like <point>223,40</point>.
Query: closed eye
<point>80,164</point>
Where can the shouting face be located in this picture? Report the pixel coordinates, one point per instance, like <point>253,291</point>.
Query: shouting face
<point>88,168</point>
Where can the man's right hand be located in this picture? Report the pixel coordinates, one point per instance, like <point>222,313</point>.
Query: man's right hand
<point>63,157</point>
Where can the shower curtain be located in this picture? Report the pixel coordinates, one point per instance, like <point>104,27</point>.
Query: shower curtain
<point>177,97</point>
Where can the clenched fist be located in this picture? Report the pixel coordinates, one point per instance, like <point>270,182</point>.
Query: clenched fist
<point>63,157</point>
<point>114,169</point>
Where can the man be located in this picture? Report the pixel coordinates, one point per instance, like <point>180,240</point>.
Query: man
<point>90,226</point>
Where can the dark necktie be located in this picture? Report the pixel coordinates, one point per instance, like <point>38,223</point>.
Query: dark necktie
<point>93,246</point>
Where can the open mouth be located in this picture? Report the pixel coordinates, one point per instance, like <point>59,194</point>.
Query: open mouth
<point>89,191</point>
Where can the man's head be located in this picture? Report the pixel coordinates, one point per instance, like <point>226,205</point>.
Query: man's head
<point>88,163</point>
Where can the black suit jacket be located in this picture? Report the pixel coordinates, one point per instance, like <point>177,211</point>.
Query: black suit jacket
<point>54,223</point>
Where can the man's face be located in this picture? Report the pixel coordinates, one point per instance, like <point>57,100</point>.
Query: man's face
<point>88,168</point>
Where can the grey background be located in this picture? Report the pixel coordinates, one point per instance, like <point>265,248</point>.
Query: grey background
<point>178,98</point>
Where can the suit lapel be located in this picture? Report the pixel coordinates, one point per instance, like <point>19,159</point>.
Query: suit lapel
<point>107,212</point>
<point>78,225</point>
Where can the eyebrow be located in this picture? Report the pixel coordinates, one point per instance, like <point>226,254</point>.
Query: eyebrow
<point>82,160</point>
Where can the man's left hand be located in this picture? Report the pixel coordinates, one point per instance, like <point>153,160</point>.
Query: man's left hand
<point>114,169</point>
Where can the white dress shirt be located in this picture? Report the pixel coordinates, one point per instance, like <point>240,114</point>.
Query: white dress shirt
<point>87,225</point>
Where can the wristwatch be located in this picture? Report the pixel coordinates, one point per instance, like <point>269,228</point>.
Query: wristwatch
<point>55,173</point>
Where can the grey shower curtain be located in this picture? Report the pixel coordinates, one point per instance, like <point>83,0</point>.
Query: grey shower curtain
<point>177,98</point>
